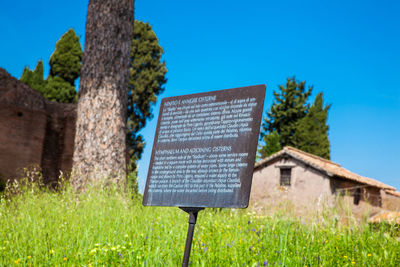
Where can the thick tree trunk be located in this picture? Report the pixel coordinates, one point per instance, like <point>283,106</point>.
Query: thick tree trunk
<point>100,146</point>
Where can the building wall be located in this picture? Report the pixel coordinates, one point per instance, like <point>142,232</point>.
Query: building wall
<point>311,192</point>
<point>369,198</point>
<point>58,143</point>
<point>309,189</point>
<point>390,202</point>
<point>33,131</point>
<point>22,132</point>
<point>364,193</point>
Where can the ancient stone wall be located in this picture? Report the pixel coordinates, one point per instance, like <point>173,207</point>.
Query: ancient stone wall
<point>58,142</point>
<point>33,130</point>
<point>22,133</point>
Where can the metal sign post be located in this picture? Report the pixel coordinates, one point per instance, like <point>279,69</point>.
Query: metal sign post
<point>189,238</point>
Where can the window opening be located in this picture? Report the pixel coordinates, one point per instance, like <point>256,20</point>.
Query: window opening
<point>285,176</point>
<point>357,196</point>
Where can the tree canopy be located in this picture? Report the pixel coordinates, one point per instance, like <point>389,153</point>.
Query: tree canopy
<point>65,64</point>
<point>273,144</point>
<point>146,82</point>
<point>312,131</point>
<point>34,78</point>
<point>291,121</point>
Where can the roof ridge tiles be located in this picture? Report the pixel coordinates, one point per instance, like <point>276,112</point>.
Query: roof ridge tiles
<point>311,155</point>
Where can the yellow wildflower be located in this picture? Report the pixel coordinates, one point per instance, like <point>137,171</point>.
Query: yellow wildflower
<point>65,258</point>
<point>16,261</point>
<point>369,255</point>
<point>29,257</point>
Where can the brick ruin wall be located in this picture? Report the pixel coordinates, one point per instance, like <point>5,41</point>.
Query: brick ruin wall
<point>33,131</point>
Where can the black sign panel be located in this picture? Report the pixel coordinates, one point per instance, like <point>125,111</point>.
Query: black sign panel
<point>204,149</point>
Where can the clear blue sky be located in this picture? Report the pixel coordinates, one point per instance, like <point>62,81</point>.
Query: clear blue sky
<point>349,50</point>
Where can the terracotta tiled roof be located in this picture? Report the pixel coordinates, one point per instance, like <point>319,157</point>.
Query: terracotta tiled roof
<point>324,165</point>
<point>386,216</point>
<point>392,192</point>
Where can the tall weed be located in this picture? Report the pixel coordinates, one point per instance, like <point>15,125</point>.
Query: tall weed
<point>105,226</point>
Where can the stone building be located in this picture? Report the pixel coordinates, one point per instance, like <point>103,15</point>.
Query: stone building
<point>33,131</point>
<point>311,183</point>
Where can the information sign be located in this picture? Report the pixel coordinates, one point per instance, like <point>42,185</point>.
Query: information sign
<point>204,149</point>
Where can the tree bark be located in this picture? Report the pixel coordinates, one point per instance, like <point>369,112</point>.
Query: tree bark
<point>100,145</point>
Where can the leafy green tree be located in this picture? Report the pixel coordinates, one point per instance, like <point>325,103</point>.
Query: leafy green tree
<point>34,78</point>
<point>146,82</point>
<point>292,122</point>
<point>312,131</point>
<point>65,64</point>
<point>288,107</point>
<point>272,144</point>
<point>59,90</point>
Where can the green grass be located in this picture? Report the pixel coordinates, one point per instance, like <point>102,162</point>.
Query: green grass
<point>107,227</point>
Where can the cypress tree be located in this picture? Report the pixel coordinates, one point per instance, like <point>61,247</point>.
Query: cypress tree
<point>65,65</point>
<point>272,144</point>
<point>65,62</point>
<point>146,81</point>
<point>292,122</point>
<point>26,76</point>
<point>59,90</point>
<point>34,78</point>
<point>288,107</point>
<point>312,131</point>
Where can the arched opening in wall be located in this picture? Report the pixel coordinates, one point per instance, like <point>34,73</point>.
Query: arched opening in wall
<point>19,114</point>
<point>357,196</point>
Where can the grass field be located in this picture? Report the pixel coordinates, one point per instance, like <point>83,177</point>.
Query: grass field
<point>106,227</point>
